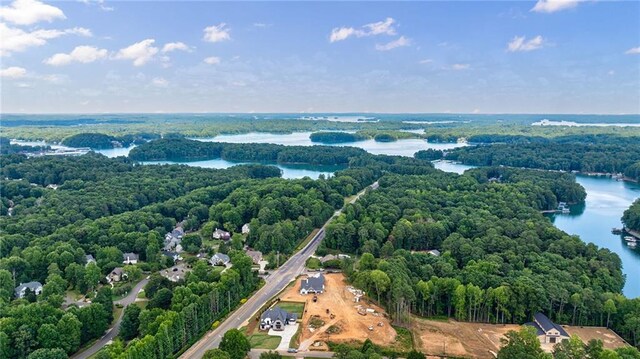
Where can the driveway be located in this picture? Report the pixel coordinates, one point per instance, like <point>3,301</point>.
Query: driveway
<point>115,329</point>
<point>286,335</point>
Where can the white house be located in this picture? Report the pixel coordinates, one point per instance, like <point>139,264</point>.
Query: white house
<point>34,287</point>
<point>548,332</point>
<point>276,318</point>
<point>312,284</point>
<point>130,258</point>
<point>246,229</point>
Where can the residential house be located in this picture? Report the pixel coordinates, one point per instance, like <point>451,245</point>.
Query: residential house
<point>256,256</point>
<point>34,287</point>
<point>130,258</point>
<point>89,259</point>
<point>246,229</point>
<point>173,255</point>
<point>331,257</point>
<point>221,234</point>
<point>548,332</point>
<point>312,284</point>
<point>219,259</point>
<point>434,252</point>
<point>276,318</point>
<point>173,240</point>
<point>116,275</point>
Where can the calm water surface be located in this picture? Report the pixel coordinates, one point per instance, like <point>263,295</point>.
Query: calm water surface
<point>288,171</point>
<point>401,147</point>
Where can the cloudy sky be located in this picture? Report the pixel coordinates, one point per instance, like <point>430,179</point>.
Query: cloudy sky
<point>550,56</point>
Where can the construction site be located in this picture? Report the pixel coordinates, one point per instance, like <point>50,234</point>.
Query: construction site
<point>340,314</point>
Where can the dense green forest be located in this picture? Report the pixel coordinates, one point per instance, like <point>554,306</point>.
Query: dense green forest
<point>552,155</point>
<point>336,137</point>
<point>96,141</point>
<point>501,259</point>
<point>106,207</point>
<point>183,149</point>
<point>631,217</point>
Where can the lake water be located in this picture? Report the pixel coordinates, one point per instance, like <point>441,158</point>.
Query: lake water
<point>606,200</point>
<point>405,147</point>
<point>292,171</point>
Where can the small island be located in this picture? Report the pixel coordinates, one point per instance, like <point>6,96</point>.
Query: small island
<point>385,137</point>
<point>336,137</point>
<point>95,141</point>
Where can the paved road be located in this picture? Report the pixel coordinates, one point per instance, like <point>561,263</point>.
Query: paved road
<point>277,282</point>
<point>113,332</point>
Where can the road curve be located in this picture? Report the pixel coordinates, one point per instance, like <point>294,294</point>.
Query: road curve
<point>277,281</point>
<point>115,329</point>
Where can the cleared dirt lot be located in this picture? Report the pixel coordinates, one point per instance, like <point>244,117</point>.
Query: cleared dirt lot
<point>478,340</point>
<point>346,325</point>
<point>609,339</point>
<point>473,340</point>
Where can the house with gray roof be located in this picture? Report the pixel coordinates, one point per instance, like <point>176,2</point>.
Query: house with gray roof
<point>34,287</point>
<point>219,259</point>
<point>221,234</point>
<point>116,275</point>
<point>312,284</point>
<point>276,318</point>
<point>547,331</point>
<point>89,259</point>
<point>130,258</point>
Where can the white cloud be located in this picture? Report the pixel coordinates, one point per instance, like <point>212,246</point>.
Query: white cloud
<point>460,67</point>
<point>217,33</point>
<point>425,61</point>
<point>27,12</point>
<point>549,6</point>
<point>633,51</point>
<point>381,27</point>
<point>175,46</point>
<point>100,3</point>
<point>400,42</point>
<point>377,28</point>
<point>261,24</point>
<point>13,72</point>
<point>520,43</point>
<point>611,73</point>
<point>18,40</point>
<point>140,52</point>
<point>159,82</point>
<point>213,60</point>
<point>82,54</point>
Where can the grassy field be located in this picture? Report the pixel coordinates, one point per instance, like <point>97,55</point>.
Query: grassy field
<point>264,341</point>
<point>292,307</point>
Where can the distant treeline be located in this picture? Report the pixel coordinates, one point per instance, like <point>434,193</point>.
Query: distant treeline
<point>602,154</point>
<point>99,141</point>
<point>189,150</point>
<point>7,148</point>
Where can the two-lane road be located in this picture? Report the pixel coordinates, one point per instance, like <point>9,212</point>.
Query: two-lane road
<point>276,283</point>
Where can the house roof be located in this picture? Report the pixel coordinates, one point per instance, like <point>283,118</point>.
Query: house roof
<point>89,258</point>
<point>277,313</point>
<point>220,257</point>
<point>31,285</point>
<point>221,232</point>
<point>539,330</point>
<point>170,254</point>
<point>546,324</point>
<point>313,283</point>
<point>255,255</point>
<point>117,271</point>
<point>130,256</point>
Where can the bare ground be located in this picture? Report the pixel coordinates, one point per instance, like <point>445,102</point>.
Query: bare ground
<point>347,325</point>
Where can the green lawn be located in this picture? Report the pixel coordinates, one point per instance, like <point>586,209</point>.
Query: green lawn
<point>264,341</point>
<point>292,307</point>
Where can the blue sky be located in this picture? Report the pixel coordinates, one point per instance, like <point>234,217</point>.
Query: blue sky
<point>550,56</point>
